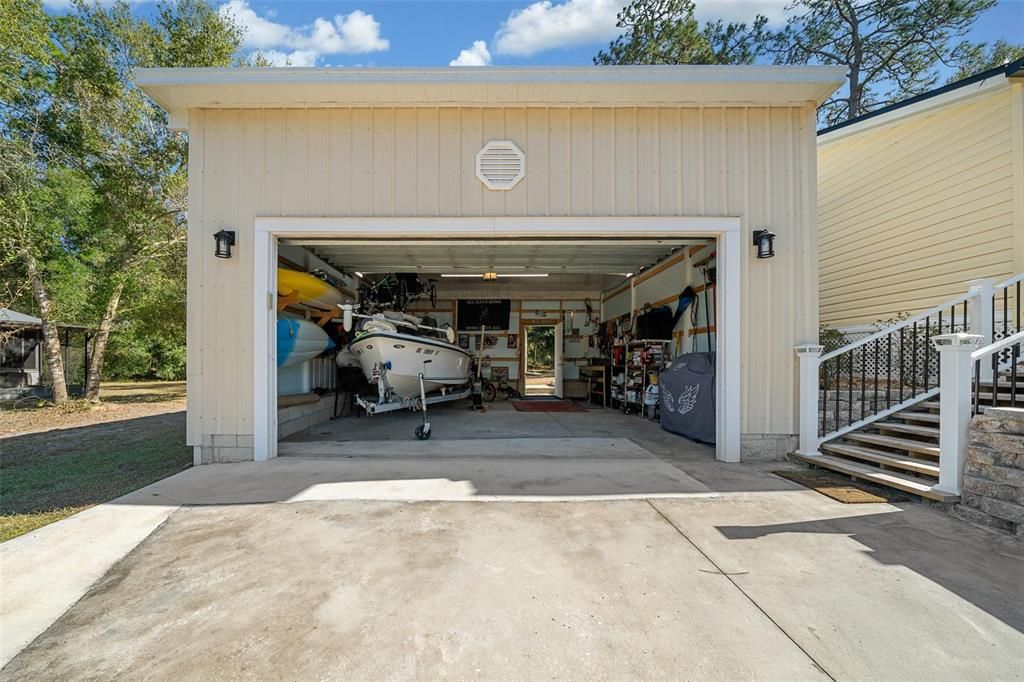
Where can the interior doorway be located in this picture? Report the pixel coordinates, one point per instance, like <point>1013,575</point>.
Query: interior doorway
<point>542,360</point>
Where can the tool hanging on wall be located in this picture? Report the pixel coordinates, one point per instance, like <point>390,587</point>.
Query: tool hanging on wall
<point>709,281</point>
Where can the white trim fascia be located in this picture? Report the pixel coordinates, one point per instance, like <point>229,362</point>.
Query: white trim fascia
<point>684,73</point>
<point>729,292</point>
<point>932,104</point>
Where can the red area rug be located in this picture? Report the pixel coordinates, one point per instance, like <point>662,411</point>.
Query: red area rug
<point>546,406</point>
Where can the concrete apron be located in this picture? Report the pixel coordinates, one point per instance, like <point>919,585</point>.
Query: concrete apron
<point>46,571</point>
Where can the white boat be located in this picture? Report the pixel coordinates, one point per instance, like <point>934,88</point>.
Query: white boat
<point>398,358</point>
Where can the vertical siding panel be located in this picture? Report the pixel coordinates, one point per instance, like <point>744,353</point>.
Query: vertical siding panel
<point>713,170</point>
<point>492,127</point>
<point>382,178</point>
<point>537,161</point>
<point>362,162</point>
<point>625,162</point>
<point>218,337</point>
<point>251,176</point>
<point>472,141</point>
<point>560,167</point>
<point>339,190</point>
<point>689,185</point>
<point>582,198</point>
<point>194,308</point>
<point>450,167</point>
<point>427,168</point>
<point>273,168</point>
<point>648,163</point>
<point>296,162</point>
<point>603,145</point>
<point>667,172</point>
<point>319,150</point>
<point>406,163</point>
<point>515,130</point>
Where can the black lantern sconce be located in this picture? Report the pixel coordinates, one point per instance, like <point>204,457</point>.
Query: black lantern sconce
<point>225,239</point>
<point>764,240</point>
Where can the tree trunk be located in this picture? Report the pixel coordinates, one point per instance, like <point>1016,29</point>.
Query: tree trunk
<point>51,339</point>
<point>99,344</point>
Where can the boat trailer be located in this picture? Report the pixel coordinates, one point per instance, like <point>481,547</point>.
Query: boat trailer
<point>387,401</point>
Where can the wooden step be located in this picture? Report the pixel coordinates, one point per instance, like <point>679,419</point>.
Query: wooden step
<point>889,479</point>
<point>912,429</point>
<point>929,404</point>
<point>929,417</point>
<point>916,466</point>
<point>895,443</point>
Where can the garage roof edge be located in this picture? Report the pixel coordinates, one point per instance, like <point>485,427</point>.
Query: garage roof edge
<point>181,89</point>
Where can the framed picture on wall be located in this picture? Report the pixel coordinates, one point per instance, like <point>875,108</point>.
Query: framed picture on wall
<point>464,341</point>
<point>499,373</point>
<point>513,341</point>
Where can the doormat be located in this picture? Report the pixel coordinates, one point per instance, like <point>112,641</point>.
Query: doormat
<point>546,406</point>
<point>838,487</point>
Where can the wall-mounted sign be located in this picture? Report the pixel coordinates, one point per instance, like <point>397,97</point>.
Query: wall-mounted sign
<point>492,313</point>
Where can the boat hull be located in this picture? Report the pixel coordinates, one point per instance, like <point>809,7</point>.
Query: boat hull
<point>405,357</point>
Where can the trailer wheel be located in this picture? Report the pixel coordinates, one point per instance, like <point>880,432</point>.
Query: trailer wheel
<point>422,433</point>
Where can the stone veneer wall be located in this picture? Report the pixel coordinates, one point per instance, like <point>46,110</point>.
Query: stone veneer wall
<point>994,478</point>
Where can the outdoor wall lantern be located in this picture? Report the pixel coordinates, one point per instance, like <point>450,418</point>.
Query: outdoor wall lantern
<point>225,239</point>
<point>764,240</point>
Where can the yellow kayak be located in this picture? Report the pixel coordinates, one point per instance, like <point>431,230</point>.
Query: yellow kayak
<point>310,290</point>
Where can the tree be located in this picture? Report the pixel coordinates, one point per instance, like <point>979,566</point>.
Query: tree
<point>667,32</point>
<point>890,47</point>
<point>81,116</point>
<point>972,58</point>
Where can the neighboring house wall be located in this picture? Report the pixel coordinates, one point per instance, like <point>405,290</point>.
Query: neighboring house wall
<point>754,162</point>
<point>909,211</point>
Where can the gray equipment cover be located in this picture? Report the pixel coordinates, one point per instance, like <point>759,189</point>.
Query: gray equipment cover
<point>687,396</point>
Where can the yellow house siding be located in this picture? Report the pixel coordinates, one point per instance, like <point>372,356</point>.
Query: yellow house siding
<point>910,211</point>
<point>757,163</point>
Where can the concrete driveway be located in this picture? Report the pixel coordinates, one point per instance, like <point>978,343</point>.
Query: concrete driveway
<point>735,575</point>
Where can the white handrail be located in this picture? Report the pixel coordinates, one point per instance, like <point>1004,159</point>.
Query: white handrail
<point>882,333</point>
<point>1012,280</point>
<point>997,346</point>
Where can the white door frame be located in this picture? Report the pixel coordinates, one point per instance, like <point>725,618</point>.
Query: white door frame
<point>267,230</point>
<point>559,354</point>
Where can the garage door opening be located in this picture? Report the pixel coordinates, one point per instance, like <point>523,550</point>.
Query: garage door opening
<point>592,323</point>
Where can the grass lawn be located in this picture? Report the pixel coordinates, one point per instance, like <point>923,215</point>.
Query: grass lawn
<point>98,455</point>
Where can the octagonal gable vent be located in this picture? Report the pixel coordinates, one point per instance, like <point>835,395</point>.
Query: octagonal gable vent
<point>500,164</point>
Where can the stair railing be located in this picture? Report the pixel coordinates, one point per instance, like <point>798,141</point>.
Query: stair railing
<point>862,382</point>
<point>962,358</point>
<point>867,380</point>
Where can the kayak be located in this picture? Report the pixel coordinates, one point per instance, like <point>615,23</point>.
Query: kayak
<point>311,291</point>
<point>299,341</point>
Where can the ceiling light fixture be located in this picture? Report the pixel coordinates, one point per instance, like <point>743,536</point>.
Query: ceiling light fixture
<point>496,275</point>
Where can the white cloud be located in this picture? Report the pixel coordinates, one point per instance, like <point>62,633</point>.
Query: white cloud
<point>477,55</point>
<point>545,26</point>
<point>741,10</point>
<point>293,58</point>
<point>353,33</point>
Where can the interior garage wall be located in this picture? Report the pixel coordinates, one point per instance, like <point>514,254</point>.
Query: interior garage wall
<point>661,285</point>
<point>757,163</point>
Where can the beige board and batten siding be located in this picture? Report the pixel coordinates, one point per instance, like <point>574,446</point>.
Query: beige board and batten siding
<point>757,163</point>
<point>911,210</point>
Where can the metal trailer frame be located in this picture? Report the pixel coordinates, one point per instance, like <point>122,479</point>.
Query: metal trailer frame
<point>417,404</point>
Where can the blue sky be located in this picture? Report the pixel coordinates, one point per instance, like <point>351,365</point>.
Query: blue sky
<point>474,32</point>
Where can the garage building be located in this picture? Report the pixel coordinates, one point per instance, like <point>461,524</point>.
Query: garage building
<point>615,186</point>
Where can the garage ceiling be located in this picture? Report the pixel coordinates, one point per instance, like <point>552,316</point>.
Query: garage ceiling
<point>556,256</point>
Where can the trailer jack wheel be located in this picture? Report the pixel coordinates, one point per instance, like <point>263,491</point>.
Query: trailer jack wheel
<point>423,432</point>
